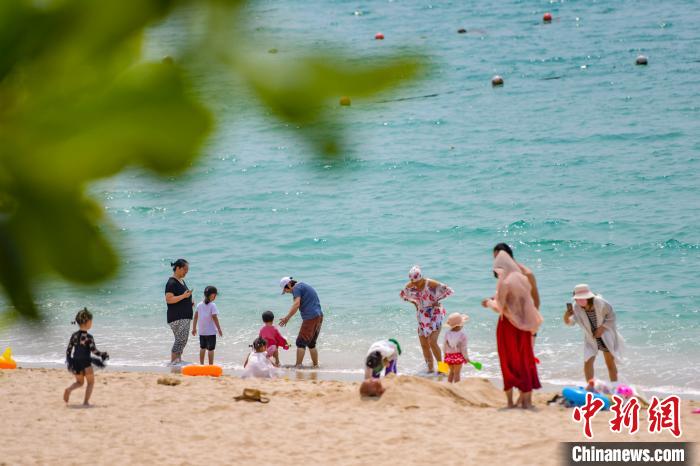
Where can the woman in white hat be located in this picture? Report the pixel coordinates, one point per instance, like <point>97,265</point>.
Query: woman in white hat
<point>426,295</point>
<point>597,319</point>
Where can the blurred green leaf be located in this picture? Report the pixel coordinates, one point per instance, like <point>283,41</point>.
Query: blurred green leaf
<point>13,274</point>
<point>78,103</point>
<point>68,32</point>
<point>64,234</point>
<point>142,118</point>
<point>301,90</point>
<point>296,89</point>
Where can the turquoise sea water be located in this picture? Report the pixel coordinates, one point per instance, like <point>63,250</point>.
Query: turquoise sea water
<point>587,164</point>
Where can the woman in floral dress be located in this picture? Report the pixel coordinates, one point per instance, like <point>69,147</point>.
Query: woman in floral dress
<point>426,294</point>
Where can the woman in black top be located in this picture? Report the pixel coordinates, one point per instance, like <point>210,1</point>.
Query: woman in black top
<point>179,300</point>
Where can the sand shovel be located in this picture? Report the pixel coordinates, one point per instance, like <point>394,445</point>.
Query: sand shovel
<point>443,368</point>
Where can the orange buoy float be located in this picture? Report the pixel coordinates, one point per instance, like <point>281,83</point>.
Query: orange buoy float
<point>194,369</point>
<point>496,81</point>
<point>547,17</point>
<point>379,36</point>
<point>6,361</point>
<point>345,101</point>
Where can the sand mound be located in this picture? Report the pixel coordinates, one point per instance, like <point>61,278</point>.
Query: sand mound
<point>408,392</point>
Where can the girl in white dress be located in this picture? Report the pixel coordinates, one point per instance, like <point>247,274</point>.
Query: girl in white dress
<point>257,363</point>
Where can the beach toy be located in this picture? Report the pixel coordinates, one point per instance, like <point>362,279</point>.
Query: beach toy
<point>396,343</point>
<point>6,361</point>
<point>496,81</point>
<point>625,391</point>
<point>379,36</point>
<point>576,396</point>
<point>194,369</point>
<point>371,388</point>
<point>696,411</point>
<point>443,368</point>
<point>345,101</point>
<point>641,60</point>
<point>547,17</point>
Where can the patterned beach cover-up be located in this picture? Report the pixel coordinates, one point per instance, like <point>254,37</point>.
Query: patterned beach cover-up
<point>429,311</point>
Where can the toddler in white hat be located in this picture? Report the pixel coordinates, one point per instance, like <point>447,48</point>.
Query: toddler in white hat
<point>455,346</point>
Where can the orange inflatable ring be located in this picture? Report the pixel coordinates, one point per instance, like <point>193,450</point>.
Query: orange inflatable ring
<point>194,369</point>
<point>6,361</point>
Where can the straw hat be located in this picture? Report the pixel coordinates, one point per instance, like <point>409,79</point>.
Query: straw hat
<point>583,291</point>
<point>456,320</point>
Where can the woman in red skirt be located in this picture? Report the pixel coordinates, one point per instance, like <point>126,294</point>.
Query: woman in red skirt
<point>518,320</point>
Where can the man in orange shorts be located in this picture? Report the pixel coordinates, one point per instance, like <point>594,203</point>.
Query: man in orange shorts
<point>307,303</point>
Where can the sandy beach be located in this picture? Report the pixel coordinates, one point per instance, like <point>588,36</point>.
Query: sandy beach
<point>135,420</point>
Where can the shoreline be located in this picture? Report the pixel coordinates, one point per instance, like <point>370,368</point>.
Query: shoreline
<point>309,374</point>
<point>135,420</point>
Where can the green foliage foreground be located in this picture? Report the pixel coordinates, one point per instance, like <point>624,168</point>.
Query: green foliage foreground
<point>78,103</point>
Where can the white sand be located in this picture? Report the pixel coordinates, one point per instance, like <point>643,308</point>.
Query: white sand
<point>134,420</point>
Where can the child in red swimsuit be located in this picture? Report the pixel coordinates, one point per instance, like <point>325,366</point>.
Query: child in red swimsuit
<point>455,346</point>
<point>272,336</point>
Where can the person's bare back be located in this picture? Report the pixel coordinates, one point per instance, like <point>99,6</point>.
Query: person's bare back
<point>533,284</point>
